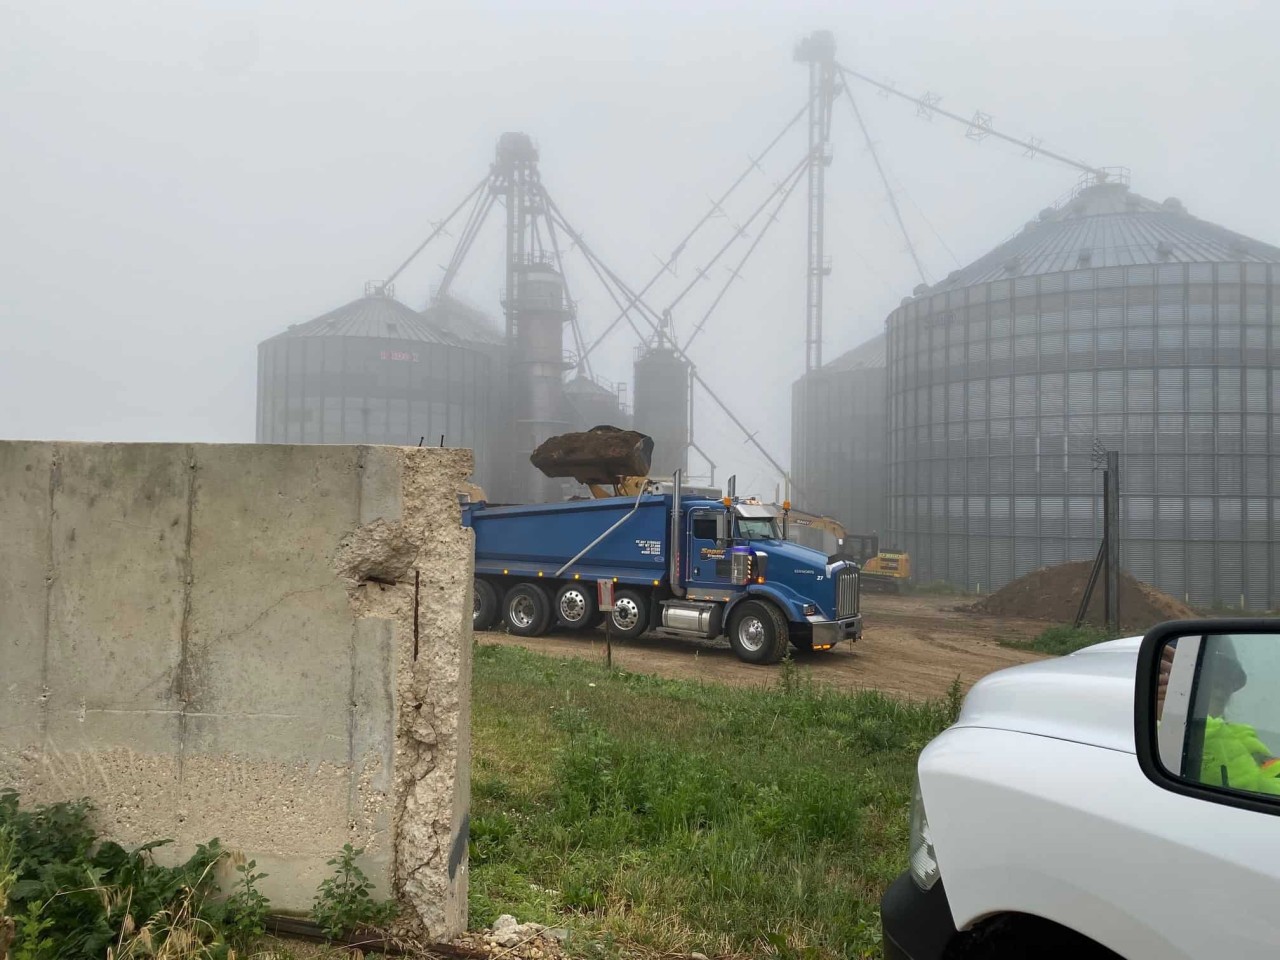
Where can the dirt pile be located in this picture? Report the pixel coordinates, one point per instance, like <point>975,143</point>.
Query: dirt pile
<point>1054,593</point>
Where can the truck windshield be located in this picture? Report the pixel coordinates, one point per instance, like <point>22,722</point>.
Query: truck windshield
<point>758,528</point>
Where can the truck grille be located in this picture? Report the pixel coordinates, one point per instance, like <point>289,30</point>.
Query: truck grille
<point>846,594</point>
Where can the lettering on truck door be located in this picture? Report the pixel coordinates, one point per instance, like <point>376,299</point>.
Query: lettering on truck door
<point>708,560</point>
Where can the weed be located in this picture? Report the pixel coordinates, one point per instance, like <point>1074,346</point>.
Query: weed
<point>245,911</point>
<point>955,700</point>
<point>31,935</point>
<point>73,897</point>
<point>344,903</point>
<point>1063,639</point>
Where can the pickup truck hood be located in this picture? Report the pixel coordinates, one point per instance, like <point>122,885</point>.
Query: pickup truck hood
<point>1086,697</point>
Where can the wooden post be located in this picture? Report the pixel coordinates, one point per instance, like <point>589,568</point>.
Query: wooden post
<point>604,600</point>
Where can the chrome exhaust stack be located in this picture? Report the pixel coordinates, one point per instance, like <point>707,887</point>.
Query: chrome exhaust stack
<point>677,587</point>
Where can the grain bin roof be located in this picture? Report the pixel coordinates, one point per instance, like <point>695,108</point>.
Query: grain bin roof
<point>582,385</point>
<point>1108,226</point>
<point>378,316</point>
<point>448,313</point>
<point>867,356</point>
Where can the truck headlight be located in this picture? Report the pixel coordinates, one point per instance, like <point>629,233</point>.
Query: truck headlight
<point>924,864</point>
<point>809,610</point>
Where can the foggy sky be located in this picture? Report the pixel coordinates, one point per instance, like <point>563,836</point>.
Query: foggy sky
<point>181,181</point>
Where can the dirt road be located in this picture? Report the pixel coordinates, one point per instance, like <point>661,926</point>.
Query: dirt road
<point>911,646</point>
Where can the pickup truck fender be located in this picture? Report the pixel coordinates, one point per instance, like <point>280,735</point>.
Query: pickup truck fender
<point>1161,891</point>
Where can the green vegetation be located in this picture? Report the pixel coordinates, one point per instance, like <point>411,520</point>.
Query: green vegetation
<point>66,895</point>
<point>1063,639</point>
<point>345,901</point>
<point>247,908</point>
<point>686,817</point>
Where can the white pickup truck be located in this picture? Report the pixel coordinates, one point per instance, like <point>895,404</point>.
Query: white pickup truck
<point>1122,800</point>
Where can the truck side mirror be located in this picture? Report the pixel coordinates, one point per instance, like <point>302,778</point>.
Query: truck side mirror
<point>1206,721</point>
<point>723,528</point>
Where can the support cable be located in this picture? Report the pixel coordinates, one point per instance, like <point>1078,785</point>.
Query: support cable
<point>654,319</point>
<point>735,272</point>
<point>884,178</point>
<point>440,228</point>
<point>716,206</point>
<point>702,271</point>
<point>574,327</point>
<point>979,125</point>
<point>479,214</point>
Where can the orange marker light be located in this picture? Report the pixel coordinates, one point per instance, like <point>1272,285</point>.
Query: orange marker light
<point>786,505</point>
<point>727,502</point>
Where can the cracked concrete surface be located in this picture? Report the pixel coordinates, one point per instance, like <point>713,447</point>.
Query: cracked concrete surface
<point>221,641</point>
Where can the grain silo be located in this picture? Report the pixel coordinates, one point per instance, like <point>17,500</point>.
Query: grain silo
<point>589,403</point>
<point>663,406</point>
<point>838,430</point>
<point>376,371</point>
<point>1110,322</point>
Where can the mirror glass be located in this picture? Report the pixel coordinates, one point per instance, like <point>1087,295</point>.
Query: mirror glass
<point>1217,712</point>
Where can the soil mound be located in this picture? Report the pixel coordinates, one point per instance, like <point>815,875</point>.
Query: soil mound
<point>1054,593</point>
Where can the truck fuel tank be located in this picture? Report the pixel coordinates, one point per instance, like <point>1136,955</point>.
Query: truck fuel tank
<point>688,616</point>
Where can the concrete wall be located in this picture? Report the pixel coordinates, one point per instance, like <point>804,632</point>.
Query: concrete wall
<point>196,638</point>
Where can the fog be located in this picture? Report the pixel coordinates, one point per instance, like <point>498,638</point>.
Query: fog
<point>180,181</point>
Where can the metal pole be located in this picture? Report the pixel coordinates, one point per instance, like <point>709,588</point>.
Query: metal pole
<point>1111,526</point>
<point>817,50</point>
<point>644,488</point>
<point>929,104</point>
<point>1098,561</point>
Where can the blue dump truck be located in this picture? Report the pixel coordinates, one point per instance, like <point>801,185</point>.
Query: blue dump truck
<point>690,566</point>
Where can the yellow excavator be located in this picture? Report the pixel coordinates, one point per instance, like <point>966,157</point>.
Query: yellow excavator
<point>887,569</point>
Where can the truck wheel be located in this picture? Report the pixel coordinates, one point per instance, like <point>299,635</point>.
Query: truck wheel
<point>526,610</point>
<point>575,606</point>
<point>1021,936</point>
<point>758,632</point>
<point>484,605</point>
<point>630,616</point>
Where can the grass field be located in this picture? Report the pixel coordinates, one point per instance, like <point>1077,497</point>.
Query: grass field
<point>1061,640</point>
<point>684,817</point>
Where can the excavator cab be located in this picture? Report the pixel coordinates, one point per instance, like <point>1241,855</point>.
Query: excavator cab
<point>862,546</point>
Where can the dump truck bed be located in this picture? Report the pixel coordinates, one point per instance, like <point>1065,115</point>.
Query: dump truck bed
<point>538,539</point>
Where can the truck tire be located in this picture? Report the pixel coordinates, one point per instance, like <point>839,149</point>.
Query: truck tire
<point>576,606</point>
<point>758,632</point>
<point>630,616</point>
<point>1024,936</point>
<point>526,610</point>
<point>484,605</point>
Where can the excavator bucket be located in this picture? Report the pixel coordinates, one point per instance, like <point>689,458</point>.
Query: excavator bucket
<point>600,455</point>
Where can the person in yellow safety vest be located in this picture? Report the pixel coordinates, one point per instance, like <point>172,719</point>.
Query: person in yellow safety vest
<point>1233,755</point>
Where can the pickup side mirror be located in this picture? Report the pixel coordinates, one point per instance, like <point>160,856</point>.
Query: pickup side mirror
<point>1206,718</point>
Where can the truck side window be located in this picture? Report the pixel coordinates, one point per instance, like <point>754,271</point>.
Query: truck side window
<point>704,526</point>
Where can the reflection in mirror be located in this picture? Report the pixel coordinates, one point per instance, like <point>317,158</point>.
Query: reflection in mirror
<point>1218,712</point>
